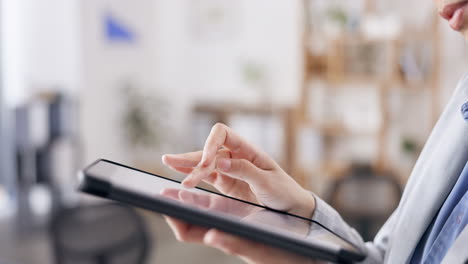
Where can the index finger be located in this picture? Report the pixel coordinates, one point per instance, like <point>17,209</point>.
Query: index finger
<point>223,136</point>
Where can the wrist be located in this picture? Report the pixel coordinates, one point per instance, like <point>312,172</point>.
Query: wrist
<point>306,206</point>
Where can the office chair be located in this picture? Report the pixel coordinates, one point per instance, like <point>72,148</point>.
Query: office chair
<point>99,234</point>
<point>365,199</point>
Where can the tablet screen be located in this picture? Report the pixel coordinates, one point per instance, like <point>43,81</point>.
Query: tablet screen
<point>171,190</point>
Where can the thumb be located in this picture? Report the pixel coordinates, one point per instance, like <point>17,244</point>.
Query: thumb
<point>241,169</point>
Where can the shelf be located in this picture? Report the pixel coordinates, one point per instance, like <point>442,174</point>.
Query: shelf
<point>358,79</point>
<point>417,86</point>
<point>230,108</point>
<point>337,129</point>
<point>335,170</point>
<point>358,37</point>
<point>354,37</point>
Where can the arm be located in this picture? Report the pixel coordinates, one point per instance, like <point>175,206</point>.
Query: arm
<point>330,218</point>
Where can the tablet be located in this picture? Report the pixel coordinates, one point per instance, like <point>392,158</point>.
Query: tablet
<point>206,208</point>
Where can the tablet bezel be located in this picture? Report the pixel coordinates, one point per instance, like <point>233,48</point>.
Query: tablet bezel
<point>92,184</point>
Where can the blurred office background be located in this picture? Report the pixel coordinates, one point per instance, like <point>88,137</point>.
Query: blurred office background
<point>342,93</point>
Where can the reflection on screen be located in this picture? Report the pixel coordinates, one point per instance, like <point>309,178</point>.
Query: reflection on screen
<point>261,217</point>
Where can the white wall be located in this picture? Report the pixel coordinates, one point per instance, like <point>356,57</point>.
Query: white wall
<point>171,63</point>
<point>107,66</point>
<point>52,42</point>
<point>269,34</point>
<point>12,51</point>
<point>41,44</point>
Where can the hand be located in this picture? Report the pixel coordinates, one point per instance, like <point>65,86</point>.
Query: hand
<point>236,209</point>
<point>249,251</point>
<point>238,169</point>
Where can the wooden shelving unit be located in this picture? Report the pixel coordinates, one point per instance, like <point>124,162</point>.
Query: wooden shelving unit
<point>330,67</point>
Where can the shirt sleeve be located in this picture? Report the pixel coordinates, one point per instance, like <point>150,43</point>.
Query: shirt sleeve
<point>330,218</point>
<point>378,248</point>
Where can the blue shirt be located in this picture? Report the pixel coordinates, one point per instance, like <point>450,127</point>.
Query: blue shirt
<point>446,226</point>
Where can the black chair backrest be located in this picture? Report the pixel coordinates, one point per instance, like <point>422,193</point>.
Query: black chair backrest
<point>365,199</point>
<point>99,234</point>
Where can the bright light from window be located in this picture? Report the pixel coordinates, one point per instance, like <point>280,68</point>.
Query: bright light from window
<point>12,47</point>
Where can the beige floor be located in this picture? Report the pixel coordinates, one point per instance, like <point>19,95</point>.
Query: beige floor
<point>33,247</point>
<point>169,250</point>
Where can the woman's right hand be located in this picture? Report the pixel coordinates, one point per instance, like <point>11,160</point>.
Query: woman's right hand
<point>238,169</point>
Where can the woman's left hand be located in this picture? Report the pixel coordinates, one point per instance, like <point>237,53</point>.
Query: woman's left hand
<point>249,251</point>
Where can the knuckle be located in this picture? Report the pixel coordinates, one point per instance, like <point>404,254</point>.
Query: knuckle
<point>248,167</point>
<point>243,165</point>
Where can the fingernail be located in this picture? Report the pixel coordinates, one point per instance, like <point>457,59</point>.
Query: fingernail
<point>187,183</point>
<point>224,164</point>
<point>166,156</point>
